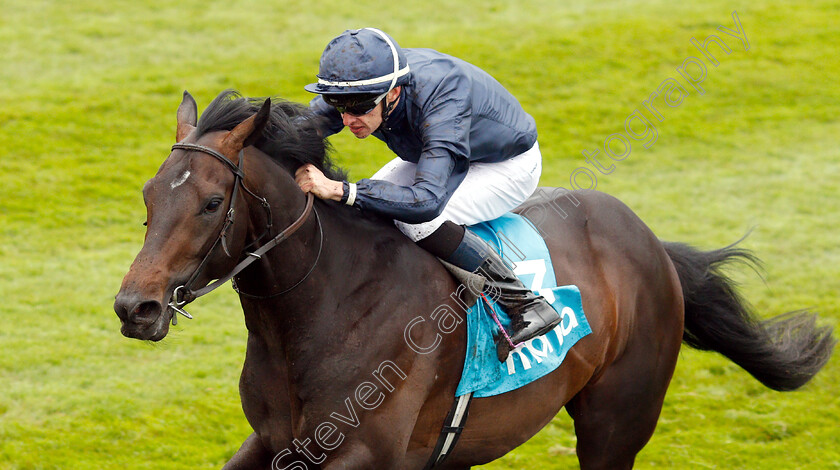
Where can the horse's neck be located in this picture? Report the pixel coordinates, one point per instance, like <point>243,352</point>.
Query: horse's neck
<point>350,270</point>
<point>288,262</point>
<point>348,318</point>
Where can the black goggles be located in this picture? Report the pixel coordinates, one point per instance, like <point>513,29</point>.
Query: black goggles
<point>354,105</point>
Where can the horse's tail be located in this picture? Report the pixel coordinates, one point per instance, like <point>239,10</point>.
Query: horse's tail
<point>782,352</point>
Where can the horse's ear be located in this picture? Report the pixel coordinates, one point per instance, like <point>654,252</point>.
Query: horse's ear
<point>187,117</point>
<point>249,130</point>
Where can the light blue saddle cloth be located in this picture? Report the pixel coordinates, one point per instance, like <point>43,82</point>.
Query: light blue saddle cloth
<point>519,243</point>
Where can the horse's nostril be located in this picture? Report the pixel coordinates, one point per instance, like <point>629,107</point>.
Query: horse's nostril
<point>132,308</point>
<point>146,312</point>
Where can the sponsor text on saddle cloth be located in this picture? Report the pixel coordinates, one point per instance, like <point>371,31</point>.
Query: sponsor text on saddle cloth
<point>519,243</point>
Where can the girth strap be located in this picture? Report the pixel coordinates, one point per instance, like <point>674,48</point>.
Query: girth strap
<point>451,431</point>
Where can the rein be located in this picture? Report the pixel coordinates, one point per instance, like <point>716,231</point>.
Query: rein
<point>184,294</point>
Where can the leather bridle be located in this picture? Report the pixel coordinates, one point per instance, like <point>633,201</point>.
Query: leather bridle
<point>184,294</point>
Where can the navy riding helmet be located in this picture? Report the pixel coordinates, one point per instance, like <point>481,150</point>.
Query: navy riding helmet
<point>360,61</point>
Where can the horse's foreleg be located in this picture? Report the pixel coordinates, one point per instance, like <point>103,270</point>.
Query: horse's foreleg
<point>252,455</point>
<point>353,456</point>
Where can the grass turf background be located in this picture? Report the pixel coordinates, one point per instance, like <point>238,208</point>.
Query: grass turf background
<point>87,112</point>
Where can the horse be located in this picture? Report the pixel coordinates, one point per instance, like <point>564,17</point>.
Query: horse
<point>331,379</point>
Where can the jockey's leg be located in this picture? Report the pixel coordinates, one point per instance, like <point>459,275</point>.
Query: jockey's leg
<point>488,191</point>
<point>530,314</point>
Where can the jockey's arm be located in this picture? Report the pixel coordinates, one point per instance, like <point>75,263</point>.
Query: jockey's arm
<point>438,173</point>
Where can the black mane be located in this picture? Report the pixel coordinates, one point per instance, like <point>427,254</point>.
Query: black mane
<point>292,132</point>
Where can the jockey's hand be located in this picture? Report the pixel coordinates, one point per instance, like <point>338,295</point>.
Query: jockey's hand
<point>312,180</point>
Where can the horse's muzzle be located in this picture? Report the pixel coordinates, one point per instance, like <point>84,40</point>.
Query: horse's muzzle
<point>141,318</point>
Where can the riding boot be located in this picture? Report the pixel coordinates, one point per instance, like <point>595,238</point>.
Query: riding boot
<point>530,314</point>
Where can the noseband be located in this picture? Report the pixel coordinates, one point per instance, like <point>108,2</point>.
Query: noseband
<point>184,294</point>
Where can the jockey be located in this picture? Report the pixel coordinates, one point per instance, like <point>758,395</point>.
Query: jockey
<point>467,153</point>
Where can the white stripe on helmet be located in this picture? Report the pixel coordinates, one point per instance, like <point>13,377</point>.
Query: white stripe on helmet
<point>397,73</point>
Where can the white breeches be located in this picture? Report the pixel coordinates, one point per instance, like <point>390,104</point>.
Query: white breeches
<point>488,191</point>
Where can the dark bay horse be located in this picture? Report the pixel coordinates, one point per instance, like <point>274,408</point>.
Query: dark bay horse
<point>332,375</point>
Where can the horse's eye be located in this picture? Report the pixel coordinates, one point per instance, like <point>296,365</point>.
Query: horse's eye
<point>212,206</point>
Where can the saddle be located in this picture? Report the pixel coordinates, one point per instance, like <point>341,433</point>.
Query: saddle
<point>518,242</point>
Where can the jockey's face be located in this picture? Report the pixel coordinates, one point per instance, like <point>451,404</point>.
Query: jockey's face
<point>364,125</point>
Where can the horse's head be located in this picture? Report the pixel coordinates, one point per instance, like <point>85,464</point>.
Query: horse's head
<point>191,236</point>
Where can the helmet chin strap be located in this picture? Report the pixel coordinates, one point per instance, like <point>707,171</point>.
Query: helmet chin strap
<point>386,111</point>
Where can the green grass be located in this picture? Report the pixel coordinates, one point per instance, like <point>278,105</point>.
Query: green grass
<point>88,93</point>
